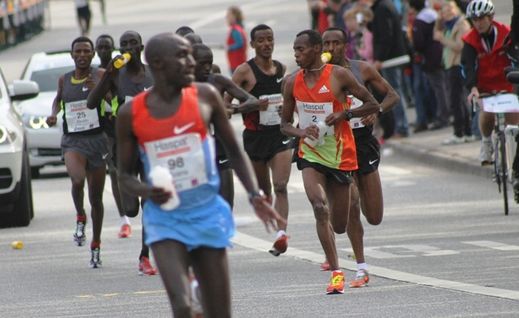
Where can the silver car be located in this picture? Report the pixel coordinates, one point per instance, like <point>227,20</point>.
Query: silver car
<point>43,144</point>
<point>16,208</point>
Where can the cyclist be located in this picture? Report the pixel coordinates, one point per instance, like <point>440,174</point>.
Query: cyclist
<point>484,61</point>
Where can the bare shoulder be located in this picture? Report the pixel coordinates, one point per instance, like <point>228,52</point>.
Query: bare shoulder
<point>206,91</point>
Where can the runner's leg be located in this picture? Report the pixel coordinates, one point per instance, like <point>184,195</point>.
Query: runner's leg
<point>262,172</point>
<point>315,187</point>
<point>96,184</point>
<point>227,185</point>
<point>76,169</point>
<point>212,271</point>
<point>172,261</point>
<point>280,165</point>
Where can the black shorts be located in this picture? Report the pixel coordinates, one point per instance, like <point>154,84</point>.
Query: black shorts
<point>263,145</point>
<point>93,147</point>
<point>340,176</point>
<point>368,153</point>
<point>84,12</point>
<point>222,161</point>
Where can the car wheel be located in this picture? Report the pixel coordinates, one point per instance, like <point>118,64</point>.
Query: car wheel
<point>23,209</point>
<point>35,172</point>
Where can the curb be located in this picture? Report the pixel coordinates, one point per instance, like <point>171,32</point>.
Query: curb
<point>441,160</point>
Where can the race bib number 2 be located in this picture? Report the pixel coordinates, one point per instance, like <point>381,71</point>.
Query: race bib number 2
<point>183,156</point>
<point>79,117</point>
<point>312,113</point>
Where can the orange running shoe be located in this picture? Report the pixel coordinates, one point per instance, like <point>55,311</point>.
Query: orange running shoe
<point>361,279</point>
<point>325,266</point>
<point>336,285</point>
<point>280,245</point>
<point>126,231</point>
<point>145,267</point>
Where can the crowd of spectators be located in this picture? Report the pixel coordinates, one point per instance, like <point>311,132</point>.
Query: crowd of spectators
<point>20,20</point>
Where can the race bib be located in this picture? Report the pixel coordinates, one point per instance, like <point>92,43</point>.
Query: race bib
<point>270,117</point>
<point>79,117</point>
<point>312,113</point>
<point>355,122</point>
<point>502,103</point>
<point>183,156</point>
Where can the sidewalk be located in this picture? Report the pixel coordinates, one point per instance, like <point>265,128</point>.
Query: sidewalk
<point>427,147</point>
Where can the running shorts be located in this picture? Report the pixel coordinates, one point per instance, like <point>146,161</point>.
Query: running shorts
<point>263,145</point>
<point>340,176</point>
<point>368,153</point>
<point>93,147</point>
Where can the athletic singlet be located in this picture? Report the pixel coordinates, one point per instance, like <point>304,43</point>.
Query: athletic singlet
<point>127,89</point>
<point>359,129</point>
<point>78,119</point>
<point>314,105</point>
<point>269,87</point>
<point>180,143</point>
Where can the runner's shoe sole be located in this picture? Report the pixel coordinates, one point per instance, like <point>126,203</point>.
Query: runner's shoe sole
<point>280,246</point>
<point>360,282</point>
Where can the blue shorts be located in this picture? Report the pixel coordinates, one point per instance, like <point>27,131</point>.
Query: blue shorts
<point>210,225</point>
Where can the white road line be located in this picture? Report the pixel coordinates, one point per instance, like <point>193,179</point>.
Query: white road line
<point>262,245</point>
<point>494,245</point>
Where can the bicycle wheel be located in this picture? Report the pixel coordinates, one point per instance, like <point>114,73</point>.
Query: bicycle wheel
<point>503,170</point>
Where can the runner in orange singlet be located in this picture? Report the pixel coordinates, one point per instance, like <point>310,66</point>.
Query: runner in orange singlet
<point>326,151</point>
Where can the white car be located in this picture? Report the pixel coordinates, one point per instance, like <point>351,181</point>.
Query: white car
<point>16,207</point>
<point>44,142</point>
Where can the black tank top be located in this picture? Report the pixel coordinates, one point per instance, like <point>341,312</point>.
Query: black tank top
<point>355,69</point>
<point>78,119</point>
<point>265,85</point>
<point>127,89</point>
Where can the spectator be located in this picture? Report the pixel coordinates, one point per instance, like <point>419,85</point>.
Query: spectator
<point>360,39</point>
<point>236,38</point>
<point>449,30</point>
<point>83,16</point>
<point>388,43</point>
<point>431,51</point>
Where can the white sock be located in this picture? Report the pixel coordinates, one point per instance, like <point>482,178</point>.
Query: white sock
<point>362,266</point>
<point>125,220</point>
<point>280,233</point>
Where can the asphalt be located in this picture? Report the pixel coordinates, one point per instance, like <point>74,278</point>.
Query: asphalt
<point>427,148</point>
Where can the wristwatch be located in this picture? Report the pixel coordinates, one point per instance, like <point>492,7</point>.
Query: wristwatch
<point>349,115</point>
<point>255,194</point>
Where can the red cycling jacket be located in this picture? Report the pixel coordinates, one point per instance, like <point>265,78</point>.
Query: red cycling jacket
<point>491,65</point>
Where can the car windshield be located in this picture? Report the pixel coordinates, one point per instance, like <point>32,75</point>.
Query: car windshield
<point>48,79</point>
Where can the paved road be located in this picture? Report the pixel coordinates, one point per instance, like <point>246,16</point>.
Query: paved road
<point>443,250</point>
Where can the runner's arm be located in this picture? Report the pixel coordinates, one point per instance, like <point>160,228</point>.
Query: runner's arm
<point>287,113</point>
<point>127,160</point>
<point>248,102</point>
<point>56,103</point>
<point>382,87</point>
<point>103,87</point>
<point>238,159</point>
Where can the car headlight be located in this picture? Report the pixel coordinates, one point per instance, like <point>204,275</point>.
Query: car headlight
<point>6,136</point>
<point>35,122</point>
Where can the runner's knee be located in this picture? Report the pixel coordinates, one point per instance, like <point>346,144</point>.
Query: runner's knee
<point>280,188</point>
<point>321,213</point>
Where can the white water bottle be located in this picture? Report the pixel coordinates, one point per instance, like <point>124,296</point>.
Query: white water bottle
<point>321,125</point>
<point>161,178</point>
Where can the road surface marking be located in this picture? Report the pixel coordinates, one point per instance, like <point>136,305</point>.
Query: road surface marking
<point>494,245</point>
<point>263,246</point>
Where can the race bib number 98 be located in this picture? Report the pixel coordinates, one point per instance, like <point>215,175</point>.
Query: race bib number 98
<point>183,156</point>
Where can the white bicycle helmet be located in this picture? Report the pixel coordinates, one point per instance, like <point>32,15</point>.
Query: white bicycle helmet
<point>480,8</point>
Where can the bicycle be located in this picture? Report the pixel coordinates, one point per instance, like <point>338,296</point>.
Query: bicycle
<point>499,104</point>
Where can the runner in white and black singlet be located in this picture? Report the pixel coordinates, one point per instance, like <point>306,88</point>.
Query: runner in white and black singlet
<point>84,143</point>
<point>269,150</point>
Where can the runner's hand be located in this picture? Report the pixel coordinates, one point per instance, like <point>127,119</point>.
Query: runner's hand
<point>90,83</point>
<point>158,195</point>
<point>267,214</point>
<point>263,104</point>
<point>51,120</point>
<point>310,131</point>
<point>369,120</point>
<point>334,118</point>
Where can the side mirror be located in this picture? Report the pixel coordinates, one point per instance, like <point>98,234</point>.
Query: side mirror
<point>22,89</point>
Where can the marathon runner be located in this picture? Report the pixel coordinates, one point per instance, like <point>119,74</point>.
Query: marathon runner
<point>326,150</point>
<point>367,178</point>
<point>123,84</point>
<point>84,144</point>
<point>169,126</point>
<point>269,150</point>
